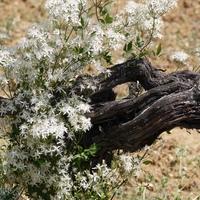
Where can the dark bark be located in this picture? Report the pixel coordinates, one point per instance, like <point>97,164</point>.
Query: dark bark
<point>170,100</point>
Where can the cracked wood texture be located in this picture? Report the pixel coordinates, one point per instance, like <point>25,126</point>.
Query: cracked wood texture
<point>169,100</point>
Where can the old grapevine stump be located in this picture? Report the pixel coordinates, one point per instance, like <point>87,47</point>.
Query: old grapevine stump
<point>169,100</point>
<point>129,124</point>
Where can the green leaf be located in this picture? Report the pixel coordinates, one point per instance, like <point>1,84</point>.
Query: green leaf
<point>102,21</point>
<point>91,15</point>
<point>81,49</point>
<point>103,11</point>
<point>134,55</point>
<point>93,33</point>
<point>92,150</point>
<point>147,162</point>
<point>154,54</point>
<point>107,58</point>
<point>125,48</point>
<point>78,50</point>
<point>130,45</point>
<point>108,19</point>
<point>80,149</point>
<point>82,22</point>
<point>159,49</point>
<point>142,54</point>
<point>139,43</point>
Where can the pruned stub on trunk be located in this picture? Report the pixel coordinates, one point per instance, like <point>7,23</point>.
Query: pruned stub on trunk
<point>169,100</point>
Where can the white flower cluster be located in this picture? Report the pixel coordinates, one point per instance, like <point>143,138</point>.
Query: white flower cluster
<point>79,122</point>
<point>146,17</point>
<point>130,164</point>
<point>158,8</point>
<point>7,59</point>
<point>180,56</point>
<point>3,36</point>
<point>41,154</point>
<point>93,180</point>
<point>68,10</point>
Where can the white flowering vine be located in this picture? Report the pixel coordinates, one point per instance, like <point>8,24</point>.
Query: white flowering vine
<point>43,121</point>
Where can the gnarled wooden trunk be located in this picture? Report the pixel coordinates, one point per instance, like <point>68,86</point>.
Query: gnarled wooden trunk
<point>129,124</point>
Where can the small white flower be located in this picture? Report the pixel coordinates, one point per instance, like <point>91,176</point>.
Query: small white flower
<point>158,8</point>
<point>136,161</point>
<point>84,183</point>
<point>3,36</point>
<point>137,173</point>
<point>127,162</point>
<point>115,39</point>
<point>98,66</point>
<point>23,128</point>
<point>180,56</point>
<point>96,41</point>
<point>42,128</point>
<point>68,10</point>
<point>83,107</point>
<point>135,12</point>
<point>147,148</point>
<point>197,50</point>
<point>45,51</point>
<point>7,59</point>
<point>24,43</point>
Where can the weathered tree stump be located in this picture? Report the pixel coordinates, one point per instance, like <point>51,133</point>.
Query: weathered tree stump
<point>129,124</point>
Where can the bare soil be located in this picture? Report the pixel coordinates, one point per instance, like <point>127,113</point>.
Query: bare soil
<point>181,31</point>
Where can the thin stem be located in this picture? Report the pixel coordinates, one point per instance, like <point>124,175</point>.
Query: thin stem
<point>96,11</point>
<point>145,153</point>
<point>151,35</point>
<point>57,59</point>
<point>20,195</point>
<point>97,4</point>
<point>5,93</point>
<point>124,181</point>
<point>144,194</point>
<point>70,33</point>
<point>9,88</point>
